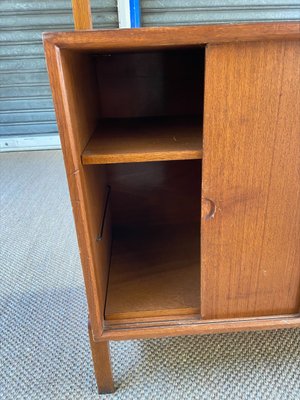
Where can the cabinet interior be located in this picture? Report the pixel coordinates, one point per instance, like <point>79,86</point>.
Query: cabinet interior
<point>138,118</point>
<point>153,101</point>
<point>155,216</point>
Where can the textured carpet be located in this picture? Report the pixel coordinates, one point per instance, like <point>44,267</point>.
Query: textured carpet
<point>44,344</point>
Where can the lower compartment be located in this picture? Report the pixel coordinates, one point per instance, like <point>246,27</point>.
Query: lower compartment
<point>155,259</point>
<point>154,272</point>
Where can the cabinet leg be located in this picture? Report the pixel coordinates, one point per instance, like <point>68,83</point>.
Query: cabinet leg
<point>102,365</point>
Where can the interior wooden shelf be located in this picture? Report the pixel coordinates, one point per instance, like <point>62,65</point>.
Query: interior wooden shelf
<point>154,271</point>
<point>144,139</point>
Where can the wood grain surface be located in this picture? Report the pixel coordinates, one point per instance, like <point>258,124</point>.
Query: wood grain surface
<point>167,82</point>
<point>150,139</point>
<point>102,365</point>
<point>82,14</point>
<point>172,37</point>
<point>194,326</point>
<point>251,172</point>
<point>76,111</point>
<point>154,271</point>
<point>155,193</point>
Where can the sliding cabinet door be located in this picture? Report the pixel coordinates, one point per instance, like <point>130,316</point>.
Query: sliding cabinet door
<point>251,180</point>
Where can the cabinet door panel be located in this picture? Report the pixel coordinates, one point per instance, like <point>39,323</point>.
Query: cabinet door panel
<point>251,180</point>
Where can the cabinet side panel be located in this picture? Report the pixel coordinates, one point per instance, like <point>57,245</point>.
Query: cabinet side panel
<point>79,84</point>
<point>251,172</point>
<point>73,82</point>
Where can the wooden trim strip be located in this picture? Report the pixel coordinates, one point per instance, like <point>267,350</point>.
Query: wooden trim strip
<point>167,37</point>
<point>181,328</point>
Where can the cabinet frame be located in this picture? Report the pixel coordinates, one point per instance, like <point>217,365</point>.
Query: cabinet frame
<point>143,39</point>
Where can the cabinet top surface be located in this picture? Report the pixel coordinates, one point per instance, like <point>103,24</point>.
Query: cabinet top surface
<point>168,37</point>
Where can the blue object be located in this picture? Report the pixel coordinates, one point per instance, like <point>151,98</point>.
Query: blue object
<point>135,13</point>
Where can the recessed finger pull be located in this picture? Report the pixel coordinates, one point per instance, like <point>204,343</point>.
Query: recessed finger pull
<point>208,209</point>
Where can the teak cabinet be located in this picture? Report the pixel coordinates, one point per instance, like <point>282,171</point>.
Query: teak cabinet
<point>182,152</point>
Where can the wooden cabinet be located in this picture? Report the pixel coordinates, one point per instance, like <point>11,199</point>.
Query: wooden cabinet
<point>160,126</point>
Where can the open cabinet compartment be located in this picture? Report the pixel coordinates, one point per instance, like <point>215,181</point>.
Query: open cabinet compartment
<point>150,107</point>
<point>155,259</point>
<point>138,118</point>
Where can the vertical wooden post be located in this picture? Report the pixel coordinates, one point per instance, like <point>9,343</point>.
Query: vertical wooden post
<point>82,14</point>
<point>100,350</point>
<point>102,364</point>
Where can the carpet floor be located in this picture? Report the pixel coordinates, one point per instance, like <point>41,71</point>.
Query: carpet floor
<point>44,347</point>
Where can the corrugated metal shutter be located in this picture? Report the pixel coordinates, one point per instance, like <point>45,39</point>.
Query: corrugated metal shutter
<point>188,12</point>
<point>26,109</point>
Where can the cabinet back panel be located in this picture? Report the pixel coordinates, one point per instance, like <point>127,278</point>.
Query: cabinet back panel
<point>155,193</point>
<point>151,84</point>
<point>251,171</point>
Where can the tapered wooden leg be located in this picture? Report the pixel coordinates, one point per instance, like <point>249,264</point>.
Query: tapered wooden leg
<point>102,365</point>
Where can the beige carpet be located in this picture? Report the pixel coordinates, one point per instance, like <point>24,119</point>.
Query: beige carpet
<point>43,326</point>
